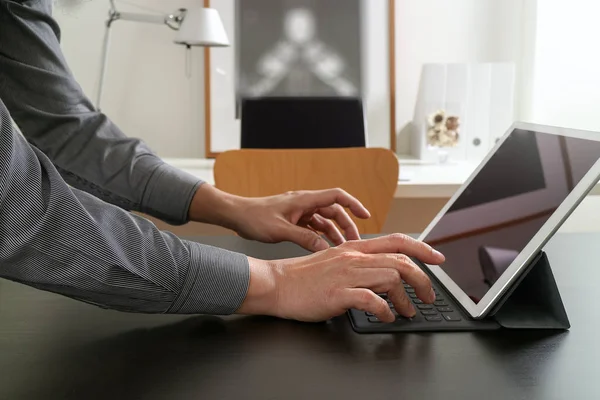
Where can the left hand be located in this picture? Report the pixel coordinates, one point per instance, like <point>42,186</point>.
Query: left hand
<point>300,217</point>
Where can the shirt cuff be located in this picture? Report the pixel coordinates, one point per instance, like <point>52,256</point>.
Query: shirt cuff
<point>169,193</point>
<point>217,282</point>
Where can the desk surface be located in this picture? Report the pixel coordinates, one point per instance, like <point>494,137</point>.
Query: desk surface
<point>417,179</point>
<point>56,348</point>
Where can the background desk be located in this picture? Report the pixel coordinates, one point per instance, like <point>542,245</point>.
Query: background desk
<point>423,189</point>
<point>55,348</point>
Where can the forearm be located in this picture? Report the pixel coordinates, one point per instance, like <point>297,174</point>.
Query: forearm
<point>87,148</point>
<point>66,241</point>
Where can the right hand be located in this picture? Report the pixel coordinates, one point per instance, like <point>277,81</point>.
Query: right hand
<point>326,284</point>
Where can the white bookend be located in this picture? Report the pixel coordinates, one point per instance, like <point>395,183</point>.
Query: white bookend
<point>481,95</point>
<point>477,116</point>
<point>502,113</point>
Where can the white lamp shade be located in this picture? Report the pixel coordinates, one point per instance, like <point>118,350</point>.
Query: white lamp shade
<point>202,27</point>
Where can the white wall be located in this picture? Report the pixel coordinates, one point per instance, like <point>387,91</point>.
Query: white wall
<point>566,86</point>
<point>147,92</point>
<point>148,95</point>
<point>442,31</point>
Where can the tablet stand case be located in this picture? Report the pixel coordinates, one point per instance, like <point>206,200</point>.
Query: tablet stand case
<point>532,302</point>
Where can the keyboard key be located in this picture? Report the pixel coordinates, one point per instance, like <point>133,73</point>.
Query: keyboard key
<point>369,314</point>
<point>374,320</point>
<point>406,285</point>
<point>428,312</point>
<point>412,295</point>
<point>434,318</point>
<point>445,309</point>
<point>424,306</point>
<point>440,303</point>
<point>410,290</point>
<point>417,301</point>
<point>452,317</point>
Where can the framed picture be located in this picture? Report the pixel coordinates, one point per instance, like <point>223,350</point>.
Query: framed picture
<point>301,48</point>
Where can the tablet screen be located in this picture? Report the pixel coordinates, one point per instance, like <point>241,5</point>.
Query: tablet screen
<point>506,203</point>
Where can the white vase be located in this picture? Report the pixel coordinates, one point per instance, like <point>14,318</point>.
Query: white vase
<point>442,153</point>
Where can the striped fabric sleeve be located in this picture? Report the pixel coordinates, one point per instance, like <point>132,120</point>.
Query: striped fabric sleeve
<point>64,240</point>
<point>87,148</point>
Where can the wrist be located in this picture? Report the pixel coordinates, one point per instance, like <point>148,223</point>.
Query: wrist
<point>262,297</point>
<point>213,206</point>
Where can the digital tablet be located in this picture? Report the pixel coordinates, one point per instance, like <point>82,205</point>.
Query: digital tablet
<point>507,210</point>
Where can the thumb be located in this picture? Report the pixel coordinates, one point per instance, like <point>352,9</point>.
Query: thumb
<point>306,238</point>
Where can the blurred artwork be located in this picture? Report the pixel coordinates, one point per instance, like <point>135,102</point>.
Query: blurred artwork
<point>298,48</point>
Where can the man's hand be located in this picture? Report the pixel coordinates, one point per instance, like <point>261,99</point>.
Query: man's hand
<point>326,284</point>
<point>298,217</point>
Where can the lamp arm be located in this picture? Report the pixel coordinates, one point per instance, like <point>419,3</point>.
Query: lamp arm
<point>173,21</point>
<point>149,18</point>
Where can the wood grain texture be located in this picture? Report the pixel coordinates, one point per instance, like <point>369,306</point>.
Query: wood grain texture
<point>369,174</point>
<point>207,104</point>
<point>392,71</point>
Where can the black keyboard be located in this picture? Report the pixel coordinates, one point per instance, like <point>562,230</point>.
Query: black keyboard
<point>440,310</point>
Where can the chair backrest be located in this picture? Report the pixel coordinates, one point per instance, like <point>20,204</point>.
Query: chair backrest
<point>369,174</point>
<point>302,123</point>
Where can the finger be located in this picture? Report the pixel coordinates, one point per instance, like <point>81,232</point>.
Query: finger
<point>341,217</point>
<point>306,238</point>
<point>385,280</point>
<point>366,300</point>
<point>324,198</point>
<point>328,228</point>
<point>402,303</point>
<point>409,271</point>
<point>399,243</point>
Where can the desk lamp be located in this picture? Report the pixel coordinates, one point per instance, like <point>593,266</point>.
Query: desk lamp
<point>195,27</point>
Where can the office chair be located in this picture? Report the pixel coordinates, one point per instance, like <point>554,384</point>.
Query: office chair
<point>369,174</point>
<point>302,123</point>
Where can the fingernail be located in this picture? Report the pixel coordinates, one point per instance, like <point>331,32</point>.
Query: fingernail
<point>437,254</point>
<point>432,295</point>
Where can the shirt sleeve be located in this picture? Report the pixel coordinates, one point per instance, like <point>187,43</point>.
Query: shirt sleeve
<point>64,240</point>
<point>86,147</point>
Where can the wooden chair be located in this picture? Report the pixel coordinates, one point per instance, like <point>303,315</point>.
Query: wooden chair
<point>369,174</point>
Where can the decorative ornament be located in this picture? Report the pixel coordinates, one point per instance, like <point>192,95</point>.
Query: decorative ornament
<point>442,129</point>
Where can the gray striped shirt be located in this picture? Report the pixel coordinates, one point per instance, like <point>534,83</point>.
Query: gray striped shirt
<point>68,183</point>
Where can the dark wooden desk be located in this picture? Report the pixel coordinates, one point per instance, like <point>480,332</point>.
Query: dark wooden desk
<point>56,348</point>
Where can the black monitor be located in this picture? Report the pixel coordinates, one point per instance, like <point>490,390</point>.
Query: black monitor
<point>302,122</point>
